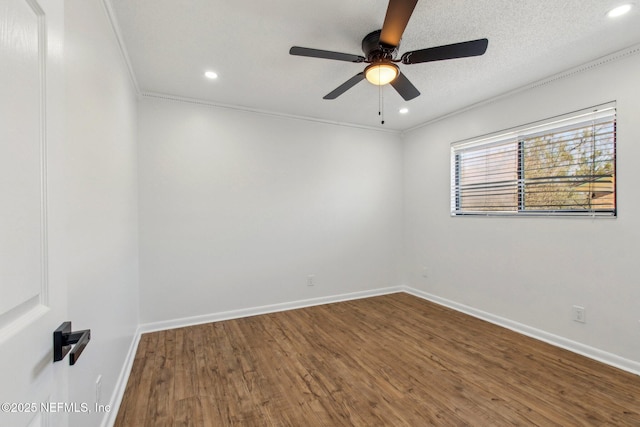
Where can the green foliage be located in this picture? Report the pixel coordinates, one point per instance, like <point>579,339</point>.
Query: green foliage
<point>571,170</point>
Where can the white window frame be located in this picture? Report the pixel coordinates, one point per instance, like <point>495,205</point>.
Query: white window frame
<point>520,133</point>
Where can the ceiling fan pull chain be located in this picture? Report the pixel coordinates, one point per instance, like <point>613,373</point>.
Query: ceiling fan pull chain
<point>380,105</point>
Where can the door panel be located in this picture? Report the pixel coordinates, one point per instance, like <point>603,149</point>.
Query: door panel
<point>21,174</point>
<point>32,283</point>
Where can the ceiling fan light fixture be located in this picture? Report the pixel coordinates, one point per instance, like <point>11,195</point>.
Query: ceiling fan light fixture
<point>381,73</point>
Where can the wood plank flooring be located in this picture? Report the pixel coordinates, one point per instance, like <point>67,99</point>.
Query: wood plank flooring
<point>393,360</point>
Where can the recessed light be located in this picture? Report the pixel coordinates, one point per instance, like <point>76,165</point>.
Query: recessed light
<point>403,110</point>
<point>211,75</point>
<point>619,11</point>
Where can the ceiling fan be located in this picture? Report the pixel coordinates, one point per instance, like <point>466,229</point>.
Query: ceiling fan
<point>381,47</point>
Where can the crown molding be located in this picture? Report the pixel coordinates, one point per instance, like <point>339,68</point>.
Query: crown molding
<point>196,101</point>
<point>588,66</point>
<point>113,21</point>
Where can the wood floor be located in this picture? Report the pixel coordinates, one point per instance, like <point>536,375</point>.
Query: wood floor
<point>394,360</point>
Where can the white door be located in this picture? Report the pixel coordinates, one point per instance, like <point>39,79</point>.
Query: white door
<point>32,266</point>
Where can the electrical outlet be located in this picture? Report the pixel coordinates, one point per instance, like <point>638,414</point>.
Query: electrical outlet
<point>579,314</point>
<point>311,280</point>
<point>98,389</point>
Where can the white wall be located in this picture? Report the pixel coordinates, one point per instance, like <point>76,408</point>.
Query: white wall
<point>532,270</point>
<point>102,201</point>
<point>238,208</point>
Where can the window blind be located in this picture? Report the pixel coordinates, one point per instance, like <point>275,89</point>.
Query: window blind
<point>560,166</point>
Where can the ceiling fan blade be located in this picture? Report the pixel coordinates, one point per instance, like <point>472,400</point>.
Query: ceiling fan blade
<point>345,86</point>
<point>404,87</point>
<point>396,20</point>
<point>450,51</point>
<point>326,54</point>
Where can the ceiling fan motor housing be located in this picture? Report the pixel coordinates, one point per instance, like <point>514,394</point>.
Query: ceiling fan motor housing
<point>376,51</point>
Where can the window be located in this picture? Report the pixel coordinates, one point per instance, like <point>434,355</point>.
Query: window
<point>561,166</point>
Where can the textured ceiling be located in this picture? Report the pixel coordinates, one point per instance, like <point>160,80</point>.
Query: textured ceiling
<point>171,43</point>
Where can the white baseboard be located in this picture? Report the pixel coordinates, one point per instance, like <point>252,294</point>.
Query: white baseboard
<point>265,309</point>
<point>556,340</point>
<point>121,384</point>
